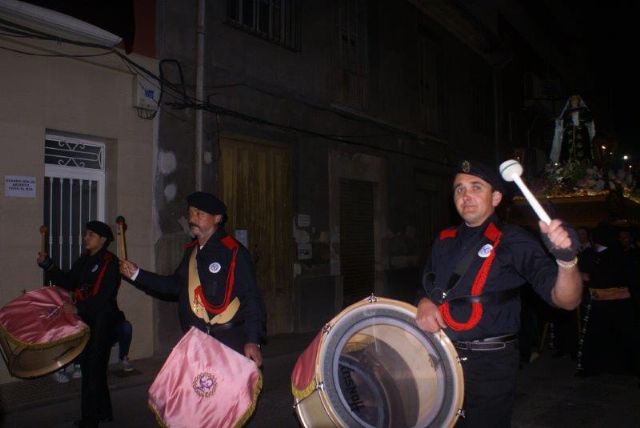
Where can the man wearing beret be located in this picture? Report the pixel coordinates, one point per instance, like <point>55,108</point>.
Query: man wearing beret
<point>94,281</point>
<point>215,278</point>
<point>470,290</point>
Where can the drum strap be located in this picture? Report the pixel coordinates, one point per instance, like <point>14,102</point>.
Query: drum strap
<point>81,294</point>
<point>488,298</point>
<point>200,306</point>
<point>493,234</point>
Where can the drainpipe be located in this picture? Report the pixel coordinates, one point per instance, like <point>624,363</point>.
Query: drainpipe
<point>199,91</point>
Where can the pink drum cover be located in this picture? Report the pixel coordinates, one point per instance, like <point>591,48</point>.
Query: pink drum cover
<point>302,376</point>
<point>204,383</point>
<point>38,317</point>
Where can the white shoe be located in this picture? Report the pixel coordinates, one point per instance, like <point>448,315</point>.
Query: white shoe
<point>125,365</point>
<point>77,373</point>
<point>60,377</point>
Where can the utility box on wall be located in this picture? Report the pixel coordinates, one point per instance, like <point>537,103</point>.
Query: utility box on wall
<point>146,94</point>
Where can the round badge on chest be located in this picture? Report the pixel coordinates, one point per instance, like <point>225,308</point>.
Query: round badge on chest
<point>485,251</point>
<point>95,268</point>
<point>215,267</point>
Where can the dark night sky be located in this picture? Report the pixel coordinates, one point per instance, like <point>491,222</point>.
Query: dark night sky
<point>611,35</point>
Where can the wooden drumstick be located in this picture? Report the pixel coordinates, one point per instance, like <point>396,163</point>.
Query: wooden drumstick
<point>120,238</point>
<point>511,170</point>
<point>43,238</point>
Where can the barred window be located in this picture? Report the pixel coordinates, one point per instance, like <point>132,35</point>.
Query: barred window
<point>481,104</point>
<point>274,20</point>
<point>429,83</point>
<point>353,36</point>
<point>74,193</point>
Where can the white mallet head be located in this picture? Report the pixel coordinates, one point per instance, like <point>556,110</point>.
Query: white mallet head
<point>510,169</point>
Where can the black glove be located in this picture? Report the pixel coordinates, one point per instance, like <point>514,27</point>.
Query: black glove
<point>564,254</point>
<point>46,263</point>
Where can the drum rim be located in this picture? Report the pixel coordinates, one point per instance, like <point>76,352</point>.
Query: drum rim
<point>447,415</point>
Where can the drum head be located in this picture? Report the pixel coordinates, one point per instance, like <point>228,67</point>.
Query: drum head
<point>37,336</point>
<point>379,369</point>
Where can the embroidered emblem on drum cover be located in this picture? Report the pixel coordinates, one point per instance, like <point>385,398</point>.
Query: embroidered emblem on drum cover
<point>205,384</point>
<point>215,267</point>
<point>95,268</point>
<point>485,251</point>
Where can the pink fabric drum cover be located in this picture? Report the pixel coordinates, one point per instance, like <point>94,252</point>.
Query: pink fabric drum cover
<point>204,383</point>
<point>37,335</point>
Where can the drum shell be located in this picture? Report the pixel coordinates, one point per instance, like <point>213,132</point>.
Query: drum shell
<point>37,336</point>
<point>318,404</point>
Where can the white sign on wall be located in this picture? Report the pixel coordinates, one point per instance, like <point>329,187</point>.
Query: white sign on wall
<point>18,186</point>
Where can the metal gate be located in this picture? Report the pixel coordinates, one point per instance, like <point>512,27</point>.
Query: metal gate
<point>357,241</point>
<point>73,193</point>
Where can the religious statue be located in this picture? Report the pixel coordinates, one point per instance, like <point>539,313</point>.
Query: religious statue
<point>574,133</point>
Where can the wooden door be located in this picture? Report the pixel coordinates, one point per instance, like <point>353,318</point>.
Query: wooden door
<point>256,186</point>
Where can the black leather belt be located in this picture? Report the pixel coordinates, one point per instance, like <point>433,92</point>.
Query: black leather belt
<point>487,344</point>
<point>226,326</point>
<point>493,297</point>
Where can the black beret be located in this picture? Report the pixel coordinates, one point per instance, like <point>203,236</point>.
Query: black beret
<point>206,202</point>
<point>101,229</point>
<point>481,170</point>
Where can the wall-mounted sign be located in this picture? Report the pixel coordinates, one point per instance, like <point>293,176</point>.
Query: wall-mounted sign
<point>18,186</point>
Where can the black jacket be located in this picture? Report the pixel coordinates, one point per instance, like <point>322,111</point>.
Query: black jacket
<point>213,262</point>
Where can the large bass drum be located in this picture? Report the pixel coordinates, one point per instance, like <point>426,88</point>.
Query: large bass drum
<point>37,336</point>
<point>371,366</point>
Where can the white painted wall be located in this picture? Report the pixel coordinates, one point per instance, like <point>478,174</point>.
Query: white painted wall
<point>86,97</point>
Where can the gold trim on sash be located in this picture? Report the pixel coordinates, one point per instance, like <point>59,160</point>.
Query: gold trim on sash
<point>614,293</point>
<point>197,307</point>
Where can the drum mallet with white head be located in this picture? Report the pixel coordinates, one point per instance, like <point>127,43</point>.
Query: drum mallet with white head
<point>511,170</point>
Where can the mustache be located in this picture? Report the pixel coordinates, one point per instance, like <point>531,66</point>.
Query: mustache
<point>193,225</point>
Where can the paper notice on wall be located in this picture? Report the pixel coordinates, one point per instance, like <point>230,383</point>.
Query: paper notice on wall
<point>18,186</point>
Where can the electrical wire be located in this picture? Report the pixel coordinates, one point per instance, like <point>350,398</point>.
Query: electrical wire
<point>187,101</point>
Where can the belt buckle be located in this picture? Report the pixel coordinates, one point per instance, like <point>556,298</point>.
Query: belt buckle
<point>480,346</point>
<point>492,346</point>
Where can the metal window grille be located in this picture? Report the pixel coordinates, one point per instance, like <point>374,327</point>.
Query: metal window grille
<point>73,193</point>
<point>428,83</point>
<point>274,20</point>
<point>352,17</point>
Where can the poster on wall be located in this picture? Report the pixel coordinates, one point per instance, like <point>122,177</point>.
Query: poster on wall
<point>19,186</point>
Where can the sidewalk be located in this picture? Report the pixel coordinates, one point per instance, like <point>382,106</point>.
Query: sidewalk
<point>26,394</point>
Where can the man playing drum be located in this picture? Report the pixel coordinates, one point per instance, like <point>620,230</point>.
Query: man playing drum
<point>94,280</point>
<point>225,275</point>
<point>470,289</point>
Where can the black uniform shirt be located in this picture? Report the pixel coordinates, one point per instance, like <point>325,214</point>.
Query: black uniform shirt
<point>83,276</point>
<point>213,266</point>
<point>519,259</point>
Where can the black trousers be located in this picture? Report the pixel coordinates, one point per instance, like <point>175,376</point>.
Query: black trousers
<point>234,337</point>
<point>94,361</point>
<point>489,387</point>
<point>611,340</point>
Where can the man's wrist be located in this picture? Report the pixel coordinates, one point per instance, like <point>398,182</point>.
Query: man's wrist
<point>567,264</point>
